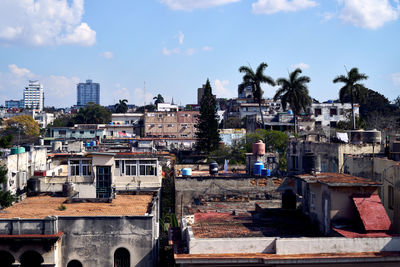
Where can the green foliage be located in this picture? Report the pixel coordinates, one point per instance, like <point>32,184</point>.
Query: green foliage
<point>207,125</point>
<point>92,114</point>
<point>254,79</point>
<point>66,120</point>
<point>6,141</point>
<point>121,106</point>
<point>234,122</point>
<point>158,99</point>
<point>6,199</point>
<point>26,124</point>
<point>294,91</point>
<point>62,207</point>
<point>235,154</point>
<point>3,174</point>
<point>149,108</point>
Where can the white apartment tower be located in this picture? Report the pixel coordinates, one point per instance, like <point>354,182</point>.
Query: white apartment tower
<point>88,92</point>
<point>34,96</point>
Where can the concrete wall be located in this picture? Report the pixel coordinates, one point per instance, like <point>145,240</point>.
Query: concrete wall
<point>384,171</point>
<point>290,246</point>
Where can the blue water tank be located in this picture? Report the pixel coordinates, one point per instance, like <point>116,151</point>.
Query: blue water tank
<point>186,172</point>
<point>263,172</point>
<point>258,166</point>
<point>93,143</point>
<point>268,172</point>
<point>330,101</point>
<point>290,112</point>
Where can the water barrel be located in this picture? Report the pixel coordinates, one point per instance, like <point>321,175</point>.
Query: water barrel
<point>213,168</point>
<point>264,172</point>
<point>269,172</point>
<point>258,166</point>
<point>93,143</point>
<point>259,148</point>
<point>330,101</point>
<point>290,112</point>
<point>186,172</point>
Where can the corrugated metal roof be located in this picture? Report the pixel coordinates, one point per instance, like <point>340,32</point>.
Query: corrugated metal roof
<point>372,213</point>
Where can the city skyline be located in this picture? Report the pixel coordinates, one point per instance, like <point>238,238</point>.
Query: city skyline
<point>173,46</point>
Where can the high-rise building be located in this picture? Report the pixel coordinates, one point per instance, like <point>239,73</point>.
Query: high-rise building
<point>14,103</point>
<point>88,92</point>
<point>34,96</point>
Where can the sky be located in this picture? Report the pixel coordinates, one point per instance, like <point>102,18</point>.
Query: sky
<point>138,49</point>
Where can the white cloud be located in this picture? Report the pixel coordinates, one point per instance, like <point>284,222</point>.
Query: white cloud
<point>59,91</point>
<point>369,14</point>
<point>14,69</point>
<point>221,90</point>
<point>141,97</point>
<point>122,93</point>
<point>168,52</point>
<point>190,51</point>
<point>181,37</point>
<point>395,78</point>
<point>207,48</point>
<point>301,65</point>
<point>275,6</point>
<point>195,4</point>
<point>108,55</point>
<point>44,22</point>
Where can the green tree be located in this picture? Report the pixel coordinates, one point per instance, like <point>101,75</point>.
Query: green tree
<point>121,106</point>
<point>158,99</point>
<point>294,91</point>
<point>6,198</point>
<point>6,141</point>
<point>92,114</point>
<point>352,88</point>
<point>24,123</point>
<point>207,125</point>
<point>254,79</point>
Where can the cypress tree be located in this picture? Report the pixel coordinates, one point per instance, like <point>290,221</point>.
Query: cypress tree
<point>207,125</point>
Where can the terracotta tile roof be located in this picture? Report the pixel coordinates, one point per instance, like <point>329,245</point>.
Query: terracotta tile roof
<point>42,206</point>
<point>372,213</point>
<point>337,179</point>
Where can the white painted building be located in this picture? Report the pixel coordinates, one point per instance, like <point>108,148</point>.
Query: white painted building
<point>34,96</point>
<point>329,114</point>
<point>167,107</point>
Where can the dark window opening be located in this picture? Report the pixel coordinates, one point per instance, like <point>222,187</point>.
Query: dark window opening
<point>122,258</point>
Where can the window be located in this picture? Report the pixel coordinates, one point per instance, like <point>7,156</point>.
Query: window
<point>184,125</point>
<point>74,167</point>
<point>130,167</point>
<point>318,123</point>
<point>159,126</point>
<point>317,111</point>
<point>62,132</point>
<point>91,132</point>
<point>333,124</point>
<point>170,125</point>
<point>312,200</point>
<point>73,132</point>
<point>81,132</point>
<point>74,263</point>
<point>80,167</point>
<point>333,112</point>
<point>390,197</point>
<point>160,115</point>
<point>147,167</point>
<point>86,167</point>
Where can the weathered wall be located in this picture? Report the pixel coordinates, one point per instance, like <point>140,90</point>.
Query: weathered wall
<point>93,240</point>
<point>189,189</point>
<point>381,170</point>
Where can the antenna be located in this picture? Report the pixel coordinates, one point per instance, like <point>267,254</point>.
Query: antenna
<point>144,93</point>
<point>346,69</point>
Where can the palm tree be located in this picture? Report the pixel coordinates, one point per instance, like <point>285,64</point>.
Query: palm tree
<point>352,88</point>
<point>158,99</point>
<point>294,91</point>
<point>254,79</point>
<point>121,106</point>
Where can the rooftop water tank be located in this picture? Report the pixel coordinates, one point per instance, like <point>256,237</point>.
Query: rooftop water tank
<point>57,146</point>
<point>213,168</point>
<point>186,172</point>
<point>17,150</point>
<point>258,166</point>
<point>371,136</point>
<point>259,148</point>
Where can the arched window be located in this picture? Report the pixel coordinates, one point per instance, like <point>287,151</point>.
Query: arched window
<point>122,258</point>
<point>31,259</point>
<point>6,259</point>
<point>74,263</point>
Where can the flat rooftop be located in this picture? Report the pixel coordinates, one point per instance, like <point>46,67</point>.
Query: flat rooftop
<point>39,207</point>
<point>337,179</point>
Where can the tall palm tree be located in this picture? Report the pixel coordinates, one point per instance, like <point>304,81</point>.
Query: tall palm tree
<point>121,106</point>
<point>294,91</point>
<point>352,88</point>
<point>158,99</point>
<point>254,79</point>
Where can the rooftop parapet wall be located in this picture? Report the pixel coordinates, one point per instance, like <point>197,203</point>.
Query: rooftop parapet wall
<point>17,226</point>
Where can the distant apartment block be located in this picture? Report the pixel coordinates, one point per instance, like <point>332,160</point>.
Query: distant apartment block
<point>14,104</point>
<point>34,96</point>
<point>88,92</point>
<point>174,124</point>
<point>329,114</point>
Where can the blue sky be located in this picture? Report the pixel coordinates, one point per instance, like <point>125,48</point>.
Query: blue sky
<point>173,46</point>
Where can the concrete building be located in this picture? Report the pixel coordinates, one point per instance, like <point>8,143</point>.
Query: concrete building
<point>87,92</point>
<point>329,114</point>
<point>221,230</point>
<point>34,96</point>
<point>167,107</point>
<point>173,124</point>
<point>231,136</point>
<point>53,231</point>
<point>246,93</point>
<point>79,131</point>
<point>14,104</point>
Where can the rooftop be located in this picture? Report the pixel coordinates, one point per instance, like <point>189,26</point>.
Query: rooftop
<point>337,179</point>
<point>41,206</point>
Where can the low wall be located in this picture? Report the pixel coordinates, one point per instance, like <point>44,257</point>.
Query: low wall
<point>290,246</point>
<point>17,226</point>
